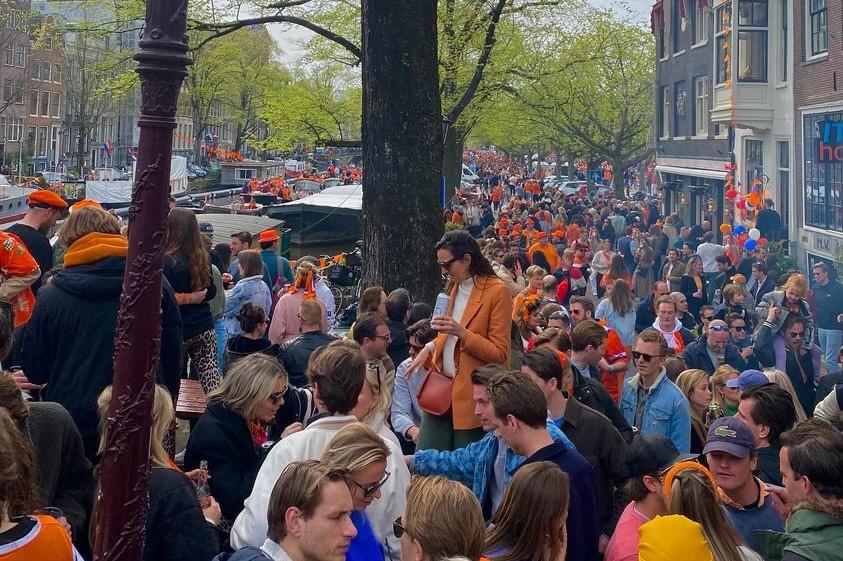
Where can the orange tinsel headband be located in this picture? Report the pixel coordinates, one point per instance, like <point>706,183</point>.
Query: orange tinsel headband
<point>305,279</point>
<point>531,301</point>
<point>673,472</point>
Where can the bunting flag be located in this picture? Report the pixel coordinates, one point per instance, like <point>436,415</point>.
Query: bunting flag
<point>657,17</point>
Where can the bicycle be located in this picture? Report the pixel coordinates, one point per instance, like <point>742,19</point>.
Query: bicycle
<point>343,275</point>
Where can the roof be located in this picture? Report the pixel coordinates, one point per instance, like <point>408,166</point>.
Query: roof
<point>227,224</point>
<point>342,196</point>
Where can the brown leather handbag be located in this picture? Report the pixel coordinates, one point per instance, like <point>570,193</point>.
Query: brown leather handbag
<point>436,392</point>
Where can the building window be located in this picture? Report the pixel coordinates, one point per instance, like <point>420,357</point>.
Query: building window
<point>9,55</point>
<point>783,150</point>
<point>244,174</point>
<point>15,129</point>
<point>723,53</point>
<point>823,181</point>
<point>818,26</point>
<point>753,161</point>
<point>36,69</point>
<point>752,40</point>
<point>676,25</point>
<point>55,105</point>
<point>8,90</point>
<point>701,106</point>
<point>680,108</point>
<point>49,41</point>
<point>57,73</point>
<point>30,138</point>
<point>699,20</point>
<point>45,104</point>
<point>33,103</point>
<point>662,42</point>
<point>783,47</point>
<point>20,60</point>
<point>46,68</point>
<point>42,141</point>
<point>664,116</point>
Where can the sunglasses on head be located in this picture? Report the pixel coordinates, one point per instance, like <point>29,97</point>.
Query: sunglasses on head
<point>647,357</point>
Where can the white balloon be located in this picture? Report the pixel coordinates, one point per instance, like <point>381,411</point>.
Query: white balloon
<point>754,234</point>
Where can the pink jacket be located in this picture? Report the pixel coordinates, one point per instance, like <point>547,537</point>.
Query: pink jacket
<point>285,323</point>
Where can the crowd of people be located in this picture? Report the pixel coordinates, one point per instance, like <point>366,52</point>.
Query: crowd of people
<point>595,381</point>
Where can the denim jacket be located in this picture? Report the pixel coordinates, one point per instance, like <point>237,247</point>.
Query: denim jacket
<point>666,412</point>
<point>473,465</point>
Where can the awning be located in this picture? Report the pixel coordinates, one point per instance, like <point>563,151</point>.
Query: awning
<point>694,172</point>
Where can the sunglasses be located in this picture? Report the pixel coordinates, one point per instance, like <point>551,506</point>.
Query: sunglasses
<point>370,490</point>
<point>739,327</point>
<point>796,334</point>
<point>386,338</point>
<point>707,318</point>
<point>277,396</point>
<point>417,348</point>
<point>398,528</point>
<point>718,328</point>
<point>647,357</point>
<point>447,264</point>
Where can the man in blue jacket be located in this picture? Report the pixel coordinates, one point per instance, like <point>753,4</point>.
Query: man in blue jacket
<point>519,415</point>
<point>486,465</point>
<point>650,401</point>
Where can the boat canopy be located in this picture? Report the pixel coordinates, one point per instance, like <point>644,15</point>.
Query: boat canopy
<point>342,196</point>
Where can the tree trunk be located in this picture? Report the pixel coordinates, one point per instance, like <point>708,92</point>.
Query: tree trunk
<point>452,161</point>
<point>80,151</point>
<point>122,509</point>
<point>402,146</point>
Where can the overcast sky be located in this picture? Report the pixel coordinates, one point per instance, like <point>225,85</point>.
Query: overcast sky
<point>287,35</point>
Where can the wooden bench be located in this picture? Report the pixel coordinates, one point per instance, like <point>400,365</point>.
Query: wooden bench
<point>192,400</point>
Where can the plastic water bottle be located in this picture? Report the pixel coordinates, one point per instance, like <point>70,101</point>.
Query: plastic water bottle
<point>441,307</point>
<point>203,491</point>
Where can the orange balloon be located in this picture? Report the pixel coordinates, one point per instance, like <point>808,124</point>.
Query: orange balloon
<point>753,198</point>
<point>725,228</point>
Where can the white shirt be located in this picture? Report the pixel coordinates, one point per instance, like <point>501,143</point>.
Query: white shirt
<point>325,296</point>
<point>449,364</point>
<point>708,252</point>
<point>275,551</point>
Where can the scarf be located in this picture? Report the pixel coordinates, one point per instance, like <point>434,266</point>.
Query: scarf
<point>307,281</point>
<point>258,433</point>
<point>94,247</point>
<point>674,338</point>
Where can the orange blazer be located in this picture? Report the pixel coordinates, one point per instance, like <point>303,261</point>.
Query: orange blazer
<point>487,317</point>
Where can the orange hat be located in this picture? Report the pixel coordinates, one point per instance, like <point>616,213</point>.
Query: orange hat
<point>83,203</point>
<point>268,236</point>
<point>503,221</point>
<point>503,232</point>
<point>557,234</point>
<point>45,198</point>
<point>541,235</point>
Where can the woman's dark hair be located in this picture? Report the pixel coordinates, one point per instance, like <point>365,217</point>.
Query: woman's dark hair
<point>540,260</point>
<point>370,300</point>
<point>418,312</point>
<point>18,475</point>
<point>509,261</point>
<point>251,263</point>
<point>422,331</point>
<point>250,317</point>
<point>461,243</point>
<point>221,257</point>
<point>185,241</point>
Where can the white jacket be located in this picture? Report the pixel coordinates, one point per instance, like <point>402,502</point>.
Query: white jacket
<point>250,527</point>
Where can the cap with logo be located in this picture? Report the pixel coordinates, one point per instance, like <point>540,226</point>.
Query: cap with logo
<point>652,453</point>
<point>748,378</point>
<point>206,228</point>
<point>730,435</point>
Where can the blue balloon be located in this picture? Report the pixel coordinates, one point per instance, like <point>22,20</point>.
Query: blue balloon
<point>740,229</point>
<point>750,244</point>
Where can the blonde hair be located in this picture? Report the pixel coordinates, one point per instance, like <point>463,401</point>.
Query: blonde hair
<point>248,383</point>
<point>783,381</point>
<point>376,379</point>
<point>687,381</point>
<point>85,221</point>
<point>692,496</point>
<point>796,283</point>
<point>534,271</point>
<point>355,447</point>
<point>444,517</point>
<point>721,375</point>
<point>163,415</point>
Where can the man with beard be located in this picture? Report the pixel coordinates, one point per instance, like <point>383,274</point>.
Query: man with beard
<point>45,208</point>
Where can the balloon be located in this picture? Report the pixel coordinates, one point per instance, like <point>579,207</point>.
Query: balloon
<point>725,228</point>
<point>741,203</point>
<point>742,238</point>
<point>731,194</point>
<point>740,229</point>
<point>763,241</point>
<point>753,198</point>
<point>750,244</point>
<point>754,234</point>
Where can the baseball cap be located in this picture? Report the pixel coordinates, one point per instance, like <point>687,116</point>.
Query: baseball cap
<point>730,435</point>
<point>206,228</point>
<point>748,378</point>
<point>48,199</point>
<point>652,453</point>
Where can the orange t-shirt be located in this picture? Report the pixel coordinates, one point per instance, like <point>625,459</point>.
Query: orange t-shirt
<point>47,541</point>
<point>16,261</point>
<point>615,351</point>
<point>549,251</point>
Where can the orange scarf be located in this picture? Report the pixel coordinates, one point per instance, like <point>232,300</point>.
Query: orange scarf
<point>95,246</point>
<point>307,280</point>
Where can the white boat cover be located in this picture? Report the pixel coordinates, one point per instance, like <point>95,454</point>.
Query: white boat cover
<point>121,191</point>
<point>342,196</point>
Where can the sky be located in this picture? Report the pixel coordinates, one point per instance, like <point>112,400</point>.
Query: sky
<point>287,35</point>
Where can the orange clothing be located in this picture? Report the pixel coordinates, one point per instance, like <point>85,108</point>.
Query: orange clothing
<point>615,352</point>
<point>487,319</point>
<point>19,269</point>
<point>549,251</point>
<point>497,193</point>
<point>573,233</point>
<point>47,541</point>
<point>519,301</point>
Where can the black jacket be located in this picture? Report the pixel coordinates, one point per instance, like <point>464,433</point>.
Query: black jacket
<point>590,392</point>
<point>195,317</point>
<point>644,314</point>
<point>176,530</point>
<point>241,346</point>
<point>398,348</point>
<point>69,341</point>
<point>758,292</point>
<point>299,406</point>
<point>696,356</point>
<point>222,437</point>
<point>295,354</point>
<point>688,287</point>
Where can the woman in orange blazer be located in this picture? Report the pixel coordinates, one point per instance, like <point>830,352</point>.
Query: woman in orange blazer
<point>474,332</point>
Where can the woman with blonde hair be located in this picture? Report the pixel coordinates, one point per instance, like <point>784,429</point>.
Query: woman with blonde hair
<point>231,432</point>
<point>375,399</point>
<point>694,286</point>
<point>442,521</point>
<point>360,450</point>
<point>530,521</point>
<point>783,381</point>
<point>790,300</point>
<point>618,311</point>
<point>691,492</point>
<point>178,527</point>
<point>696,389</point>
<point>286,324</point>
<point>725,398</point>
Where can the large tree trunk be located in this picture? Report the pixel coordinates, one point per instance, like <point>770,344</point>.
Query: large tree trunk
<point>402,146</point>
<point>452,161</point>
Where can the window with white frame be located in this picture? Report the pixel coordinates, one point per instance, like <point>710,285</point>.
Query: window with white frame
<point>783,14</point>
<point>9,55</point>
<point>42,141</point>
<point>723,52</point>
<point>245,174</point>
<point>701,106</point>
<point>752,40</point>
<point>699,21</point>
<point>45,104</point>
<point>680,109</point>
<point>55,105</point>
<point>33,103</point>
<point>676,26</point>
<point>36,69</point>
<point>57,73</point>
<point>817,27</point>
<point>783,149</point>
<point>20,59</point>
<point>46,70</point>
<point>15,129</point>
<point>54,138</point>
<point>664,120</point>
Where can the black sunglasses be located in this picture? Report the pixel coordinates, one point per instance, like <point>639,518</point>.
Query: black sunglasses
<point>447,264</point>
<point>370,490</point>
<point>718,327</point>
<point>707,318</point>
<point>796,334</point>
<point>277,396</point>
<point>739,327</point>
<point>647,357</point>
<point>398,528</point>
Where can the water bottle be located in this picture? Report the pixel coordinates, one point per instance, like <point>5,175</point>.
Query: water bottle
<point>711,415</point>
<point>441,307</point>
<point>203,491</point>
